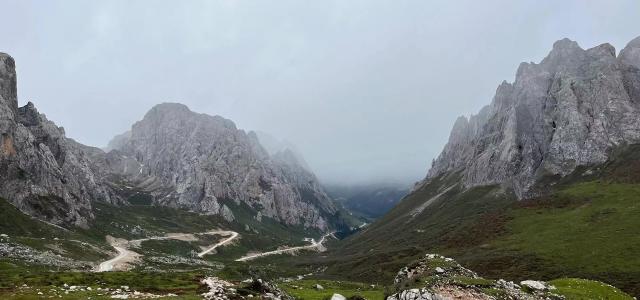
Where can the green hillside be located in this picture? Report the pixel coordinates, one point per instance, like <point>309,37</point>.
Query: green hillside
<point>585,226</point>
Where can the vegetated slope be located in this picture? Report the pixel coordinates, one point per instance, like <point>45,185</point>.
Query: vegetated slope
<point>370,201</point>
<point>543,183</point>
<point>586,227</point>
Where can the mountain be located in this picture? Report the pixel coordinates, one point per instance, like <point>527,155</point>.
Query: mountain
<point>565,112</point>
<point>370,201</point>
<point>276,147</point>
<point>205,164</point>
<point>43,173</point>
<point>544,182</point>
<point>173,157</point>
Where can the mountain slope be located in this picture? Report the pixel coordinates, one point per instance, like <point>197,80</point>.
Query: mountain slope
<point>204,163</point>
<point>541,183</point>
<point>43,173</point>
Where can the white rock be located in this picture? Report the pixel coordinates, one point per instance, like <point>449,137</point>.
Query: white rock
<point>338,297</point>
<point>533,284</point>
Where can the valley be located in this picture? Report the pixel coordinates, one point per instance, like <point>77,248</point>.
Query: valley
<point>536,196</point>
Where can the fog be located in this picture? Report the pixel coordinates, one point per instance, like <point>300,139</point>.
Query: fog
<point>366,90</point>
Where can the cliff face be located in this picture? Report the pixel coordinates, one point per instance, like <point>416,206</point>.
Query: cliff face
<point>203,163</point>
<point>567,111</point>
<point>43,173</point>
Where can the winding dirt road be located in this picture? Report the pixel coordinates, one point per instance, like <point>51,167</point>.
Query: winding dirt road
<point>125,255</point>
<point>313,244</point>
<point>223,242</point>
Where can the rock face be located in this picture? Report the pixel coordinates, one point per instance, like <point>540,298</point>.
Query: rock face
<point>567,111</point>
<point>43,173</point>
<point>205,164</point>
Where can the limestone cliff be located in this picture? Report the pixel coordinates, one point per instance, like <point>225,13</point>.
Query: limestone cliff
<point>204,163</point>
<point>43,173</point>
<point>567,111</point>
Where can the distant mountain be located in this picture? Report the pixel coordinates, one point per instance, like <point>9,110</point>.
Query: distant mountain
<point>543,182</point>
<point>204,163</point>
<point>370,201</point>
<point>276,147</point>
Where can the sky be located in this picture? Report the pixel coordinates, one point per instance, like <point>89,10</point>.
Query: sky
<point>366,90</point>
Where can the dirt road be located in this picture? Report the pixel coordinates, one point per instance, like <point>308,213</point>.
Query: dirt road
<point>312,245</point>
<point>125,255</point>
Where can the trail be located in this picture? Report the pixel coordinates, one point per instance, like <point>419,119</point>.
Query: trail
<point>125,255</point>
<point>313,244</point>
<point>225,241</point>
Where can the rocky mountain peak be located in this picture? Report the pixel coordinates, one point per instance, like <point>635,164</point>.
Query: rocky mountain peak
<point>8,82</point>
<point>564,112</point>
<point>204,163</point>
<point>630,55</point>
<point>168,110</point>
<point>44,174</point>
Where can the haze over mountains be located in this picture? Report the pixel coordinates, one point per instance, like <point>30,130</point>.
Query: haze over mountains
<point>562,140</point>
<point>535,196</point>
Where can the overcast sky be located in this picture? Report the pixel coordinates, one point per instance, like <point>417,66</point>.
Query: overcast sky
<point>367,90</point>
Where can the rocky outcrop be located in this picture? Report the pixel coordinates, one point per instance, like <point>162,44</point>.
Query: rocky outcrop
<point>205,164</point>
<point>219,289</point>
<point>43,173</point>
<point>435,277</point>
<point>567,111</point>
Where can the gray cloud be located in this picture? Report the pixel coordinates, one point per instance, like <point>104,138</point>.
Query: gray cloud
<point>367,90</point>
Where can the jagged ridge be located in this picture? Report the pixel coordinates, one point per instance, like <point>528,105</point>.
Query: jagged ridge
<point>43,173</point>
<point>567,111</point>
<point>204,163</point>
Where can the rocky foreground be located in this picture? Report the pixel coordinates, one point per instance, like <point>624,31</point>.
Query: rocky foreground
<point>436,277</point>
<point>433,277</point>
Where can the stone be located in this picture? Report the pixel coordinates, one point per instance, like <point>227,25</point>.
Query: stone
<point>533,284</point>
<point>338,297</point>
<point>318,287</point>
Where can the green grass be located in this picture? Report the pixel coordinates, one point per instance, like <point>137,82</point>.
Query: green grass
<point>582,289</point>
<point>472,282</point>
<point>305,289</point>
<point>597,232</point>
<point>15,223</point>
<point>15,274</point>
